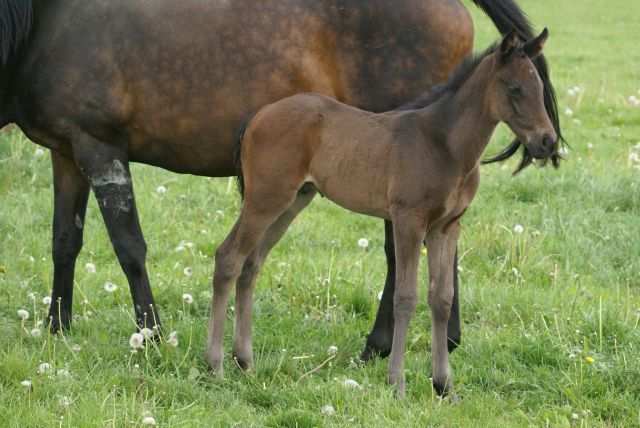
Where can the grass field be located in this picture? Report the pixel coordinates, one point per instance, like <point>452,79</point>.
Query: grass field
<point>551,316</point>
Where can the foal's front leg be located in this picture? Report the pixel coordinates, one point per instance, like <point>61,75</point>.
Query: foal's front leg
<point>441,241</point>
<point>409,235</point>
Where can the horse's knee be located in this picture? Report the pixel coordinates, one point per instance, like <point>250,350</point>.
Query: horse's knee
<point>404,305</point>
<point>132,254</point>
<point>440,302</point>
<point>65,248</point>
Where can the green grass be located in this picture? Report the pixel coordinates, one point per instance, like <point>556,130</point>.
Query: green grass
<point>551,316</point>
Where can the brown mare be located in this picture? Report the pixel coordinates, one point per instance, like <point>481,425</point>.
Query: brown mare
<point>168,83</point>
<point>418,168</point>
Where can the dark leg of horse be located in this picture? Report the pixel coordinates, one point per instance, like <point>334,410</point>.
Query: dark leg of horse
<point>107,170</point>
<point>380,338</point>
<point>71,193</point>
<point>453,326</point>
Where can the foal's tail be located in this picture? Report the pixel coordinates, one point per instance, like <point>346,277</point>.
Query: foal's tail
<point>236,154</point>
<point>507,15</point>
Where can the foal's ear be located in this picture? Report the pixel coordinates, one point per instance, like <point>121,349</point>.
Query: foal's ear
<point>509,43</point>
<point>533,47</point>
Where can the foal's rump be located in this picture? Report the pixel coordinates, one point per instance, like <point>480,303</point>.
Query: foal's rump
<point>310,138</point>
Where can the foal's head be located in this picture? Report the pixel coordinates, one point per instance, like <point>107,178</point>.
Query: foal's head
<point>517,92</point>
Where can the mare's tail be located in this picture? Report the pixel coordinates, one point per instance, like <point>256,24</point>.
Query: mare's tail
<point>16,17</point>
<point>507,15</point>
<point>236,154</point>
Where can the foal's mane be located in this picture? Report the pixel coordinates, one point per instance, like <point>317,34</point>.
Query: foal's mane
<point>455,82</point>
<point>16,17</point>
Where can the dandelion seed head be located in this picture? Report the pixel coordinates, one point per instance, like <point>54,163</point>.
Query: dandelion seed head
<point>23,314</point>
<point>39,153</point>
<point>43,368</point>
<point>568,112</point>
<point>350,383</point>
<point>574,416</point>
<point>63,373</point>
<point>173,339</point>
<point>187,298</point>
<point>76,348</point>
<point>363,243</point>
<point>35,332</point>
<point>328,410</point>
<point>161,190</point>
<point>109,287</point>
<point>90,267</point>
<point>518,229</point>
<point>332,350</point>
<point>64,402</point>
<point>46,300</point>
<point>26,383</point>
<point>147,333</point>
<point>136,341</point>
<point>149,420</point>
<point>31,296</point>
<point>187,271</point>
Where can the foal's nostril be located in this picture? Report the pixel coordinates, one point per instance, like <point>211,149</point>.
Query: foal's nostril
<point>547,141</point>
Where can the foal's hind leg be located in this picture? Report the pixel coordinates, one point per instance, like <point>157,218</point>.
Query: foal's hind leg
<point>242,345</point>
<point>230,258</point>
<point>71,193</point>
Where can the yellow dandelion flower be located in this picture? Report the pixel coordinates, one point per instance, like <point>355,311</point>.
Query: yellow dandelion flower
<point>3,269</point>
<point>424,250</point>
<point>590,360</point>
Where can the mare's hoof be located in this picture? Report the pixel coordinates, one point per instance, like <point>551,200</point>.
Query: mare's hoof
<point>373,350</point>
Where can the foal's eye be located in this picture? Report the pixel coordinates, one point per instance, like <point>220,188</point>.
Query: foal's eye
<point>514,91</point>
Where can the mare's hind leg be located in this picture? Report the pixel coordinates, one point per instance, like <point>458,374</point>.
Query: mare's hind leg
<point>230,257</point>
<point>381,336</point>
<point>106,168</point>
<point>71,193</point>
<point>242,333</point>
<point>442,249</point>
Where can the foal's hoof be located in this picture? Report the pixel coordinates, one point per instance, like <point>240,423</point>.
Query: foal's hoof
<point>400,384</point>
<point>444,389</point>
<point>244,364</point>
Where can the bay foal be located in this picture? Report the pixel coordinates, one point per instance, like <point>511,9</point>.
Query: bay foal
<point>417,168</point>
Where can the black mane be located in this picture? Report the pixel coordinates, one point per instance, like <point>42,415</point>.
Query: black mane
<point>16,17</point>
<point>455,82</point>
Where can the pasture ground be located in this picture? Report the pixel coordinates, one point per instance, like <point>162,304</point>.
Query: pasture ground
<point>551,315</point>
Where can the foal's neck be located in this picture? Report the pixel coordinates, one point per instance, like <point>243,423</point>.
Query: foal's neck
<point>465,117</point>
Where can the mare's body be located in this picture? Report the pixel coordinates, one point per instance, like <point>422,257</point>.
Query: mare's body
<point>167,83</point>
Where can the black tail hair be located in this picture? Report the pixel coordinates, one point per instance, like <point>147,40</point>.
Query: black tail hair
<point>236,154</point>
<point>16,17</point>
<point>507,15</point>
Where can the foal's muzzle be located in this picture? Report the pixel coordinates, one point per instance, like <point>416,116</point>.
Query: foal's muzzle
<point>542,145</point>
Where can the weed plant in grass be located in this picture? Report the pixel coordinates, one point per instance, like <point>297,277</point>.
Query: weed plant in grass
<point>551,309</point>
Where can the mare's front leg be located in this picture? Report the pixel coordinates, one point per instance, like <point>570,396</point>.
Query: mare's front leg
<point>441,240</point>
<point>381,336</point>
<point>106,168</point>
<point>409,234</point>
<point>71,193</point>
